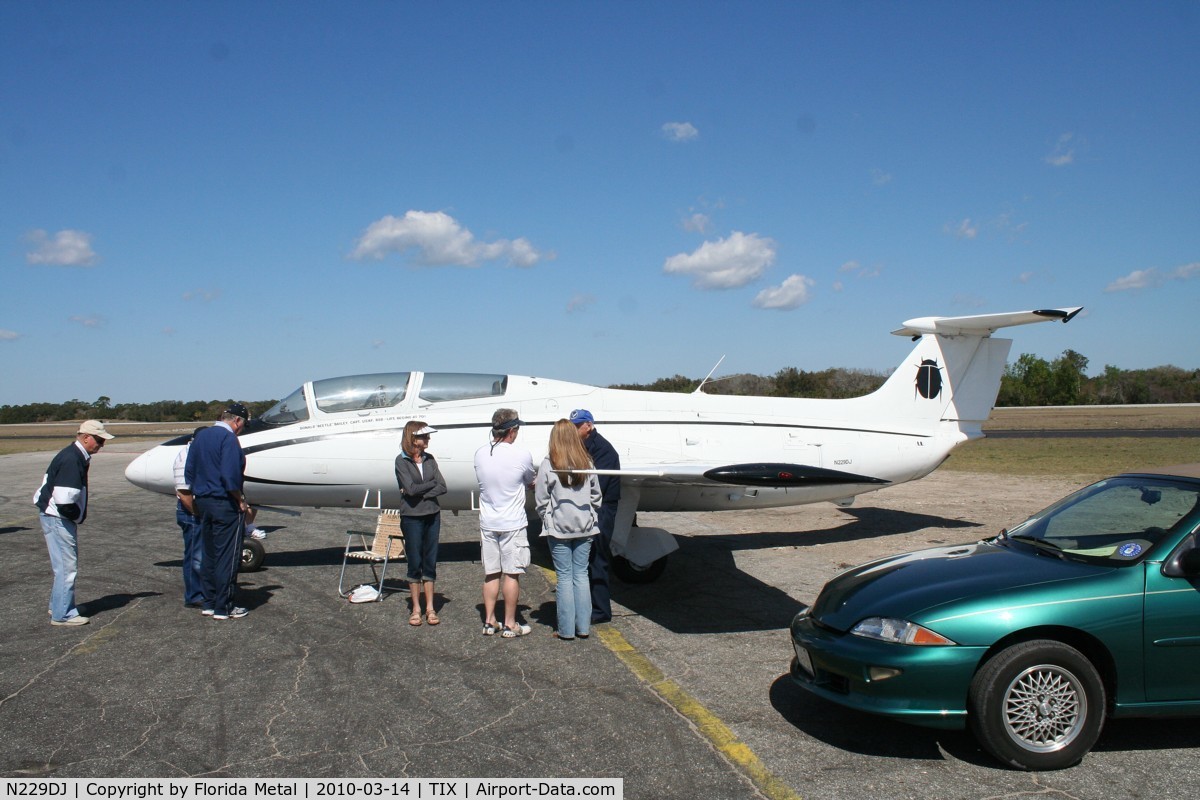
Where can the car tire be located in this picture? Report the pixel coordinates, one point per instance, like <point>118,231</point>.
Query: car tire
<point>1037,705</point>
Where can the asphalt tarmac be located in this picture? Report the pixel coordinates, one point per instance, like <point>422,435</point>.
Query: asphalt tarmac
<point>684,695</point>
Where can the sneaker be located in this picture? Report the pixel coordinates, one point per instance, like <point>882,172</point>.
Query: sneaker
<point>233,613</point>
<point>78,619</point>
<point>208,612</point>
<point>258,533</point>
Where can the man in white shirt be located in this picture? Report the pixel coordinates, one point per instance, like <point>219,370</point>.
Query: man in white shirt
<point>503,471</point>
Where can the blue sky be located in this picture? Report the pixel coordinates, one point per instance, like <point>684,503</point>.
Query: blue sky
<point>219,199</point>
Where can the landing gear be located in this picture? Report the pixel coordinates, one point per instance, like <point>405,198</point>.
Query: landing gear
<point>253,554</point>
<point>629,572</point>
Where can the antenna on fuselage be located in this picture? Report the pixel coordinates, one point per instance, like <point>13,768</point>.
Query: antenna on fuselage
<point>709,375</point>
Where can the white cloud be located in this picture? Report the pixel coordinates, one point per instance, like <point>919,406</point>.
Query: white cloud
<point>440,241</point>
<point>579,302</point>
<point>880,178</point>
<point>8,336</point>
<point>1025,277</point>
<point>697,223</point>
<point>792,293</point>
<point>1063,153</point>
<point>1186,271</point>
<point>680,131</point>
<point>1152,277</point>
<point>963,230</point>
<point>725,263</point>
<point>66,248</point>
<point>859,271</point>
<point>377,343</point>
<point>90,321</point>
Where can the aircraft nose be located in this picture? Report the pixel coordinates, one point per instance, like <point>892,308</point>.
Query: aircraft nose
<point>135,473</point>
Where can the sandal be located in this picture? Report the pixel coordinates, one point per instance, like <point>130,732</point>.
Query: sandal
<point>432,618</point>
<point>489,629</point>
<point>512,633</point>
<point>415,619</point>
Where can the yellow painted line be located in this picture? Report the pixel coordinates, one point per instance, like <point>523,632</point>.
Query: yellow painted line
<point>706,723</point>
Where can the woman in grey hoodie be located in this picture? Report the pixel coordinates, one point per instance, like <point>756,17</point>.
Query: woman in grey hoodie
<point>421,483</point>
<point>568,501</point>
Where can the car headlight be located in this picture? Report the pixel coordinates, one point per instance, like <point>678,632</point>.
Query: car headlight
<point>898,631</point>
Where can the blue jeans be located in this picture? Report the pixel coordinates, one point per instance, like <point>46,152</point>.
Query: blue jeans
<point>573,595</point>
<point>62,542</point>
<point>193,556</point>
<point>421,536</point>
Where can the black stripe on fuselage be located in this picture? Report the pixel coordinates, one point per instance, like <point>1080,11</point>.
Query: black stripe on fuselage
<point>258,448</point>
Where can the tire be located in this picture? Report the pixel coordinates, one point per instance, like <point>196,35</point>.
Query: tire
<point>253,554</point>
<point>624,569</point>
<point>1037,705</point>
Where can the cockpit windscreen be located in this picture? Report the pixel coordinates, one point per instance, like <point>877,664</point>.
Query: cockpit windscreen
<point>288,410</point>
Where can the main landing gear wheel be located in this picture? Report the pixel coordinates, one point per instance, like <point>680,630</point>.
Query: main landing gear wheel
<point>629,572</point>
<point>253,554</point>
<point>1037,705</point>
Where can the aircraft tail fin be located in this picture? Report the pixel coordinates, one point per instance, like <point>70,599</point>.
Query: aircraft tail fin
<point>953,374</point>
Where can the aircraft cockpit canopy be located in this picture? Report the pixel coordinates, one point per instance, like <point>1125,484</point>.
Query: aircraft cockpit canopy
<point>288,410</point>
<point>381,390</point>
<point>441,387</point>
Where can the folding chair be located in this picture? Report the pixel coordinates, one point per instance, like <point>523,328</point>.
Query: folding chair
<point>387,546</point>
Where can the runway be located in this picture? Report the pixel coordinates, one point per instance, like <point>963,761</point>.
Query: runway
<point>684,695</point>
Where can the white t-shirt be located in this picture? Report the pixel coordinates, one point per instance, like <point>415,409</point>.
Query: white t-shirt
<point>503,472</point>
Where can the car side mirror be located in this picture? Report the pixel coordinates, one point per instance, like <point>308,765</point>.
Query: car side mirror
<point>1183,564</point>
<point>1189,561</point>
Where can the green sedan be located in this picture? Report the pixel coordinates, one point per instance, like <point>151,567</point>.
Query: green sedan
<point>1088,609</point>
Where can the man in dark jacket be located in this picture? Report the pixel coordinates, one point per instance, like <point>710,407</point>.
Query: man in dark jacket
<point>214,469</point>
<point>62,501</point>
<point>604,456</point>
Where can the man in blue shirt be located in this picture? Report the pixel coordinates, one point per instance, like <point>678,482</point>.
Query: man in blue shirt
<point>214,470</point>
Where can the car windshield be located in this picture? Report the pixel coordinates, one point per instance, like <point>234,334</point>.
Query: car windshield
<point>1116,521</point>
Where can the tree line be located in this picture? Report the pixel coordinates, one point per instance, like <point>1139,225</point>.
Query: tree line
<point>1029,381</point>
<point>198,411</point>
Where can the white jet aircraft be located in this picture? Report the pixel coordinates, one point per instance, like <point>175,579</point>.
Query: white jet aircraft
<point>334,442</point>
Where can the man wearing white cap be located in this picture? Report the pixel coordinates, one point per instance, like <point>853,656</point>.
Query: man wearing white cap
<point>62,502</point>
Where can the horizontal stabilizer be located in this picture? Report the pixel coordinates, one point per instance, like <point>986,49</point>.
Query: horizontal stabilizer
<point>782,475</point>
<point>983,324</point>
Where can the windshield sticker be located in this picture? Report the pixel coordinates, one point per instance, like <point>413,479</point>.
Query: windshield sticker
<point>1129,550</point>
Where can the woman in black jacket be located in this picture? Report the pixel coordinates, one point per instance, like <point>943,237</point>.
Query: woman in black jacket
<point>421,483</point>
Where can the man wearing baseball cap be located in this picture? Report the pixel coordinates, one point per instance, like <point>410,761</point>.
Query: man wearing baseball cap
<point>214,469</point>
<point>604,456</point>
<point>62,502</point>
<point>503,470</point>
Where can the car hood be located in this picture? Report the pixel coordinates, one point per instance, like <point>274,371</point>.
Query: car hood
<point>905,586</point>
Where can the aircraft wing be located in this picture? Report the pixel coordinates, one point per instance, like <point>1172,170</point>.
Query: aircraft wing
<point>776,475</point>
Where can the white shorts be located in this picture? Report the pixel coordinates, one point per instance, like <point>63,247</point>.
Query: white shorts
<point>504,551</point>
